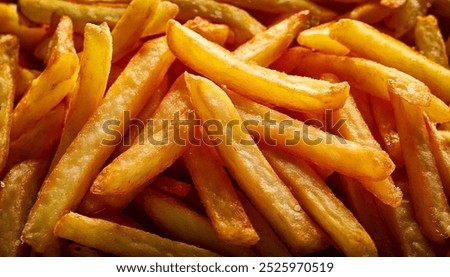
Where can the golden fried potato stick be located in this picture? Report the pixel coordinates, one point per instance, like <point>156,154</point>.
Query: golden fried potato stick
<point>184,224</point>
<point>90,149</point>
<point>172,186</point>
<point>24,79</point>
<point>163,13</point>
<point>9,58</point>
<point>218,33</point>
<point>121,240</point>
<point>318,37</point>
<point>40,141</point>
<point>285,6</point>
<point>321,204</point>
<point>9,24</point>
<point>427,194</point>
<point>269,245</point>
<point>429,40</point>
<point>95,65</point>
<point>240,21</point>
<point>218,196</point>
<point>54,83</point>
<point>370,12</point>
<point>313,144</point>
<point>252,171</point>
<point>391,52</point>
<point>403,225</point>
<point>40,11</point>
<point>265,47</point>
<point>392,3</point>
<point>128,30</point>
<point>404,18</point>
<point>259,83</point>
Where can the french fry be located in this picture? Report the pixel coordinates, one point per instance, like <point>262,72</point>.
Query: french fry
<point>131,25</point>
<point>269,245</point>
<point>54,83</point>
<point>281,6</point>
<point>404,18</point>
<point>312,144</point>
<point>121,240</point>
<point>218,33</point>
<point>9,58</point>
<point>252,171</point>
<point>84,158</point>
<point>392,3</point>
<point>370,12</point>
<point>321,204</point>
<point>172,187</point>
<point>425,186</point>
<point>242,23</point>
<point>391,52</point>
<point>95,65</point>
<point>163,13</point>
<point>318,37</point>
<point>184,224</point>
<point>17,195</point>
<point>218,196</point>
<point>429,40</point>
<point>40,11</point>
<point>265,47</point>
<point>24,79</point>
<point>362,101</point>
<point>262,84</point>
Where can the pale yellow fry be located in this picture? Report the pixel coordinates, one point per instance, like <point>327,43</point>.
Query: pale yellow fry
<point>391,52</point>
<point>313,144</point>
<point>17,195</point>
<point>240,21</point>
<point>318,38</point>
<point>370,13</point>
<point>218,196</point>
<point>121,240</point>
<point>163,13</point>
<point>184,224</point>
<point>252,171</point>
<point>95,65</point>
<point>9,57</point>
<point>430,204</point>
<point>265,47</point>
<point>259,83</point>
<point>429,40</point>
<point>131,25</point>
<point>285,6</point>
<point>405,17</point>
<point>321,204</point>
<point>40,11</point>
<point>70,180</point>
<point>54,83</point>
<point>269,245</point>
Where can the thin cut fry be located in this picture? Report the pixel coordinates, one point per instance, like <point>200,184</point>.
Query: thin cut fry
<point>318,38</point>
<point>218,33</point>
<point>262,84</point>
<point>252,171</point>
<point>122,240</point>
<point>429,40</point>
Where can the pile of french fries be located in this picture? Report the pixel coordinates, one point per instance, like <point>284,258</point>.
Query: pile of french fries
<point>224,128</point>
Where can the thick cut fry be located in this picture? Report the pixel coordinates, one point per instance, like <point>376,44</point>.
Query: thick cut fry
<point>40,11</point>
<point>184,224</point>
<point>427,194</point>
<point>86,155</point>
<point>17,195</point>
<point>391,52</point>
<point>95,65</point>
<point>163,13</point>
<point>40,141</point>
<point>312,144</point>
<point>269,245</point>
<point>262,84</point>
<point>54,83</point>
<point>121,240</point>
<point>252,171</point>
<point>318,38</point>
<point>24,79</point>
<point>283,6</point>
<point>131,25</point>
<point>440,146</point>
<point>265,47</point>
<point>241,22</point>
<point>171,186</point>
<point>9,57</point>
<point>429,40</point>
<point>370,13</point>
<point>404,18</point>
<point>218,196</point>
<point>218,33</point>
<point>355,129</point>
<point>321,204</point>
